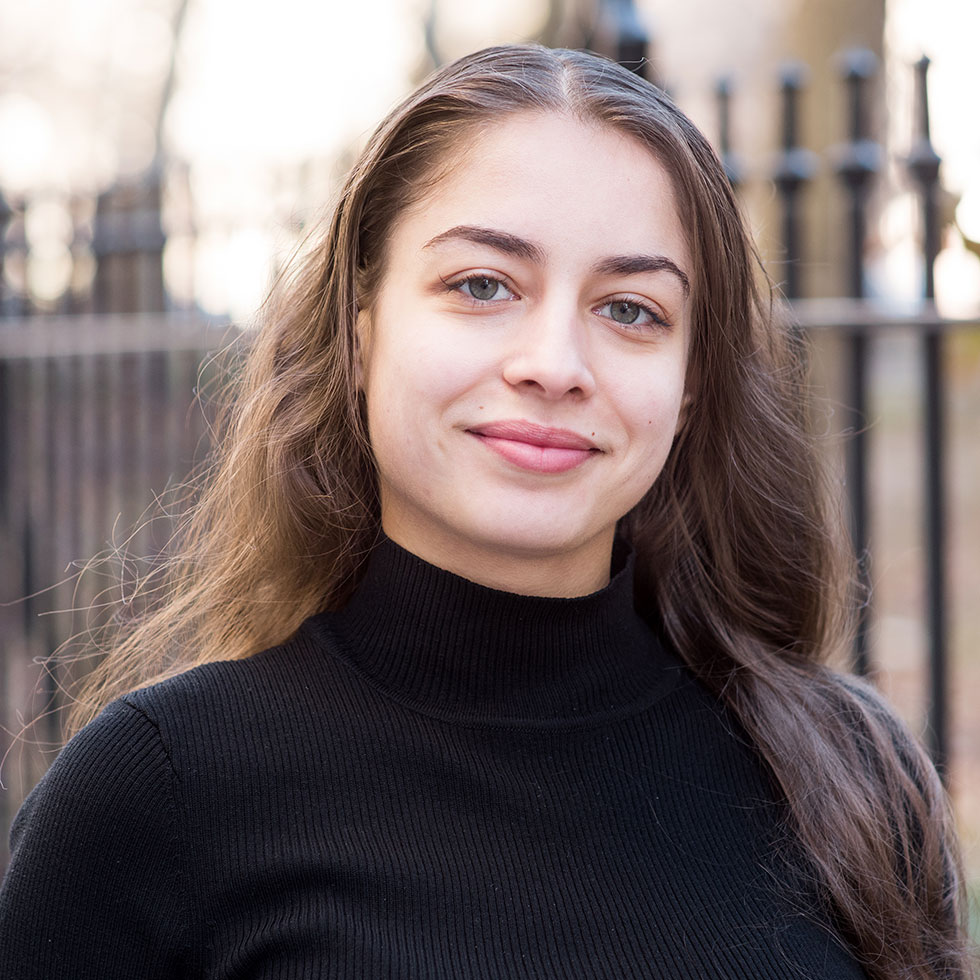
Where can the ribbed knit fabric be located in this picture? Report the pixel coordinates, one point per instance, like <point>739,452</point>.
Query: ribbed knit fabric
<point>442,781</point>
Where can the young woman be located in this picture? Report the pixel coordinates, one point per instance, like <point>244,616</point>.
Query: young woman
<point>495,647</point>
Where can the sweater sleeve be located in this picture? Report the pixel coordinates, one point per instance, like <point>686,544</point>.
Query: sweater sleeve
<point>95,886</point>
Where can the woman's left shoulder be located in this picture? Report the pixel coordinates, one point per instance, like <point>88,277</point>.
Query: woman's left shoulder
<point>880,735</point>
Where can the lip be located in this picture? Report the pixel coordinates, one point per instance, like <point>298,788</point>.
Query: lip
<point>533,447</point>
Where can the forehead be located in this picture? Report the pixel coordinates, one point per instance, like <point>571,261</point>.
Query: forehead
<point>575,186</point>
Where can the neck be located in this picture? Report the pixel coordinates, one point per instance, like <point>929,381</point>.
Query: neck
<point>451,647</point>
<point>564,573</point>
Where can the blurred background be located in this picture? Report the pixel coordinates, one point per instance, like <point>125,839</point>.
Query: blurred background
<point>161,160</point>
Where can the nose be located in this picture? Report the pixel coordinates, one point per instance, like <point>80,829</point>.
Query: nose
<point>550,356</point>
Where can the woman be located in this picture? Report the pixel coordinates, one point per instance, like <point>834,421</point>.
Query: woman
<point>517,501</point>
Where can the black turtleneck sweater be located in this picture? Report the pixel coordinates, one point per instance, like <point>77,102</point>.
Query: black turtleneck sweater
<point>441,781</point>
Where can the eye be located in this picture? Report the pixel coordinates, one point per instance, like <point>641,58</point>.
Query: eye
<point>482,288</point>
<point>631,313</point>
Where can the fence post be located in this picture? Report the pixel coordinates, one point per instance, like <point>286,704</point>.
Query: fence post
<point>795,168</point>
<point>6,213</point>
<point>626,36</point>
<point>923,164</point>
<point>128,245</point>
<point>14,299</point>
<point>859,161</point>
<point>729,159</point>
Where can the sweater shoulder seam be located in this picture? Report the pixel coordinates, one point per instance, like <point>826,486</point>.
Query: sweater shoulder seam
<point>179,842</point>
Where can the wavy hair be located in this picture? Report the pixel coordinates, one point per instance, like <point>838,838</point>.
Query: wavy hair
<point>739,556</point>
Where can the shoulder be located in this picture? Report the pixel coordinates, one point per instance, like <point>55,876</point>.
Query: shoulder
<point>231,697</point>
<point>883,745</point>
<point>127,783</point>
<point>890,787</point>
<point>117,757</point>
<point>97,883</point>
<point>230,727</point>
<point>106,807</point>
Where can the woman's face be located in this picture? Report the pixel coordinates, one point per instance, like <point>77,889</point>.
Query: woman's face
<point>523,360</point>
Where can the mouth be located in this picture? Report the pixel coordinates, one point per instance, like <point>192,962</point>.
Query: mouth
<point>537,448</point>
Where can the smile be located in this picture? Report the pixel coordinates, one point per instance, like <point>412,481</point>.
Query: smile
<point>533,447</point>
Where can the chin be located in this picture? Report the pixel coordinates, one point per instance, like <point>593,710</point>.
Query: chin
<point>535,540</point>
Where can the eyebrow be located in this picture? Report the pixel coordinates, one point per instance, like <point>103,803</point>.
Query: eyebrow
<point>614,265</point>
<point>502,241</point>
<point>628,265</point>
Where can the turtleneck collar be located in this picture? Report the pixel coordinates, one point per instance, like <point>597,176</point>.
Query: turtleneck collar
<point>449,647</point>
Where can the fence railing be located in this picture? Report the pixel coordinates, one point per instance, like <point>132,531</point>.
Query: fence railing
<point>97,415</point>
<point>860,323</point>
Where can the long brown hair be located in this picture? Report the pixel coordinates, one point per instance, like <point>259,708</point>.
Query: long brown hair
<point>738,555</point>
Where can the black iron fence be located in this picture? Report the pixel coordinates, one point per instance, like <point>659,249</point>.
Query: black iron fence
<point>859,161</point>
<point>98,415</point>
<point>96,410</point>
<point>112,245</point>
<point>861,324</point>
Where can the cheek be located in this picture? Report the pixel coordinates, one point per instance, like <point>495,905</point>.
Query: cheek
<point>650,404</point>
<point>410,392</point>
<point>420,370</point>
<point>658,421</point>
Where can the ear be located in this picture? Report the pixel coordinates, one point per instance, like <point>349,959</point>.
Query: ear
<point>683,414</point>
<point>362,347</point>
